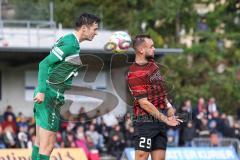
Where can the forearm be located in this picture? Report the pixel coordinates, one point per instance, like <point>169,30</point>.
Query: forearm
<point>42,76</point>
<point>152,110</point>
<point>171,112</point>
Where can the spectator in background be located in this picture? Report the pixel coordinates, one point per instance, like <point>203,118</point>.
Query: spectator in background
<point>225,129</point>
<point>80,134</point>
<point>117,131</point>
<point>129,136</point>
<point>104,130</point>
<point>82,113</point>
<point>203,130</point>
<point>19,117</point>
<point>187,107</point>
<point>81,140</point>
<point>70,141</point>
<point>212,107</point>
<point>59,140</point>
<point>173,137</point>
<point>31,130</point>
<point>219,123</point>
<point>189,132</point>
<point>201,108</point>
<point>31,122</point>
<point>21,120</point>
<point>236,130</point>
<point>116,146</point>
<point>22,137</point>
<point>1,117</point>
<point>128,121</point>
<point>2,144</point>
<point>31,141</point>
<point>10,139</point>
<point>185,111</point>
<point>96,137</point>
<point>9,112</point>
<point>214,139</point>
<point>90,143</point>
<point>82,122</point>
<point>97,124</point>
<point>9,122</point>
<point>70,127</point>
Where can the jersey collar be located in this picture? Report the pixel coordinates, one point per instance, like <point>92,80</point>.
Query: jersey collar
<point>75,36</point>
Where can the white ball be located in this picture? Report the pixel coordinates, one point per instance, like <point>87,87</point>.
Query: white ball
<point>119,42</point>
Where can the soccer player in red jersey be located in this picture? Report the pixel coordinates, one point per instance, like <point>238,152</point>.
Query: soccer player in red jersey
<point>150,102</point>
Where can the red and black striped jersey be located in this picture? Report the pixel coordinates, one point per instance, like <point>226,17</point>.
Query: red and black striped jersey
<point>145,81</point>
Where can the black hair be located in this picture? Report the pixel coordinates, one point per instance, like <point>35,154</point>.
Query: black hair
<point>86,19</point>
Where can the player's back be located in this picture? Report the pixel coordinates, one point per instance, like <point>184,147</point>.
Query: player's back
<point>60,74</point>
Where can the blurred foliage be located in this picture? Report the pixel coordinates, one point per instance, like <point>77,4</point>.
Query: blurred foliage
<point>192,73</point>
<point>197,72</point>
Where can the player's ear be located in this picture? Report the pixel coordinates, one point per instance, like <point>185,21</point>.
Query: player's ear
<point>84,28</point>
<point>141,49</point>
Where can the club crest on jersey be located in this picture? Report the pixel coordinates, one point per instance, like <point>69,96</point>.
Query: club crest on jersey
<point>155,77</point>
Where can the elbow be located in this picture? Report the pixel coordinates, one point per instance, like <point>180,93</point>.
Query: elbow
<point>40,64</point>
<point>143,103</point>
<point>43,64</point>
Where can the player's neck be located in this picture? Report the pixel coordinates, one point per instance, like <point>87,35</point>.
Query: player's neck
<point>141,60</point>
<point>79,35</point>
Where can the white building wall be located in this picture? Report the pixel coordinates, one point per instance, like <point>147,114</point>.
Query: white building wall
<point>14,92</point>
<point>45,38</point>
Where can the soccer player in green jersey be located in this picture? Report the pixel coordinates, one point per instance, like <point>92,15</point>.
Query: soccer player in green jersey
<point>54,77</point>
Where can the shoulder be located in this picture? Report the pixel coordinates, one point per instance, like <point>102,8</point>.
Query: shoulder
<point>153,64</point>
<point>69,40</point>
<point>131,67</point>
<point>136,72</point>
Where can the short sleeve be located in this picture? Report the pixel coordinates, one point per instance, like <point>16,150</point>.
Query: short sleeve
<point>62,51</point>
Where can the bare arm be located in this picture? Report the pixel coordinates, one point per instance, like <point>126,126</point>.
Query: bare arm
<point>171,112</point>
<point>152,110</point>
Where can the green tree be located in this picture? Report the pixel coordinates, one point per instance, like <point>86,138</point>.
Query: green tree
<point>196,72</point>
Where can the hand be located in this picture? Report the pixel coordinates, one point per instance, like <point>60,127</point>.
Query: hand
<point>173,121</point>
<point>39,98</point>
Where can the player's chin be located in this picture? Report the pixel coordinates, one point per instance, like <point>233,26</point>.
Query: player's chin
<point>90,38</point>
<point>152,55</point>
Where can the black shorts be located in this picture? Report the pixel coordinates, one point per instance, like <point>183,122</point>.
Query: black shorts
<point>150,136</point>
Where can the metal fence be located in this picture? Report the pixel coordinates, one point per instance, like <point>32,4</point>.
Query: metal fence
<point>26,30</point>
<point>222,142</point>
<point>27,17</point>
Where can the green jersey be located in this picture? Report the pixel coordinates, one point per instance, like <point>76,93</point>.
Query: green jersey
<point>61,65</point>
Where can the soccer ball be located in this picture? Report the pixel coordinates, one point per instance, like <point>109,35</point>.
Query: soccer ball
<point>119,42</point>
